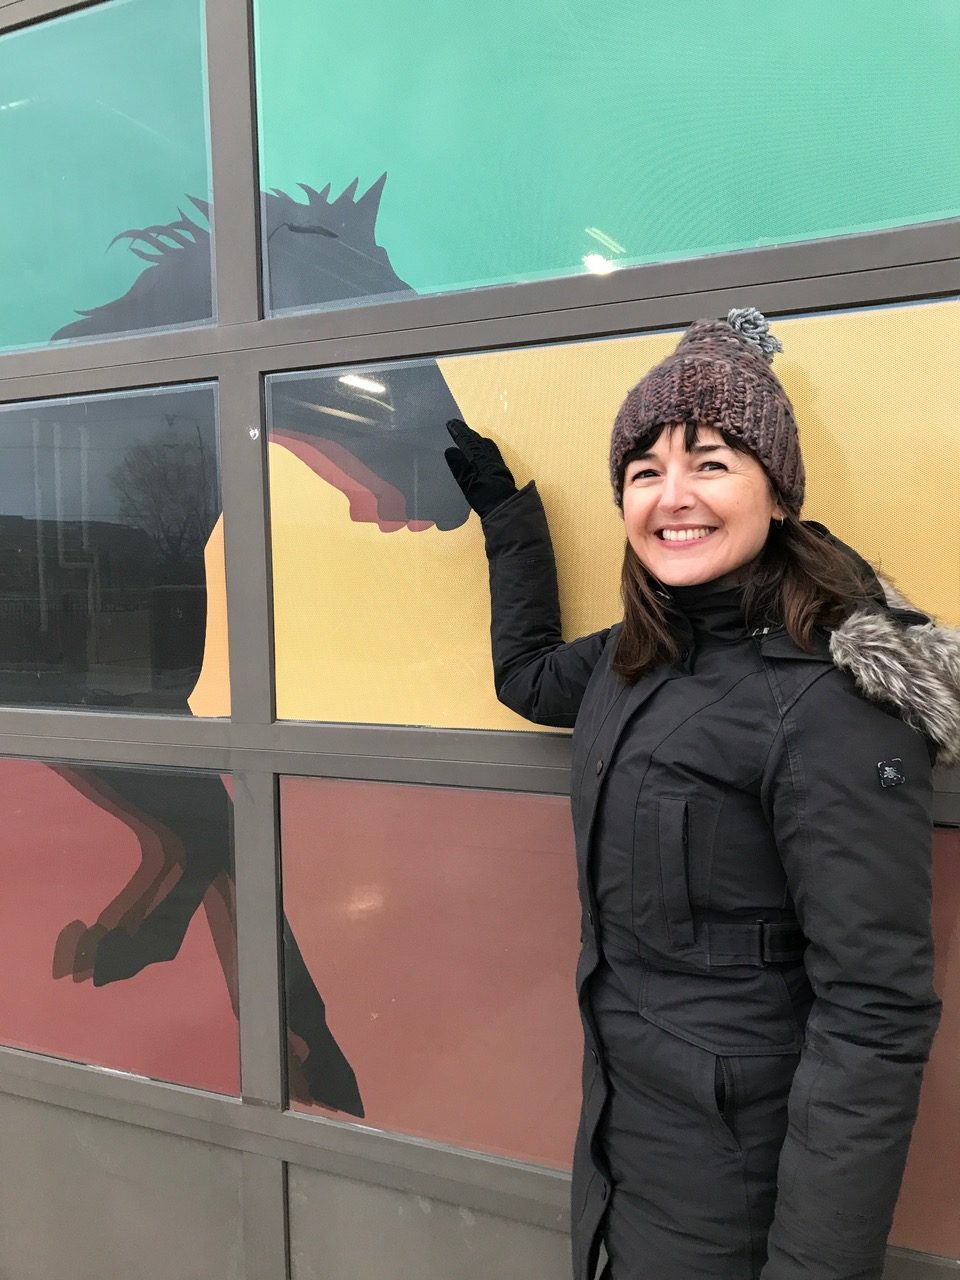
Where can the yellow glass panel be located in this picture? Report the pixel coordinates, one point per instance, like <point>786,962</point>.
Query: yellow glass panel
<point>392,627</point>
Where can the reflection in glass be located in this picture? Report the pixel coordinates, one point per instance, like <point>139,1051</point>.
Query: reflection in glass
<point>440,925</point>
<point>105,225</point>
<point>106,505</point>
<point>117,919</point>
<point>376,435</point>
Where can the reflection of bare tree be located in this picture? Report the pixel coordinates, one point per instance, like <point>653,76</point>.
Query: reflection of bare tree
<point>167,486</point>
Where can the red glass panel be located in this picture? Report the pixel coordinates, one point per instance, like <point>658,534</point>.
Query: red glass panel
<point>440,928</point>
<point>117,942</point>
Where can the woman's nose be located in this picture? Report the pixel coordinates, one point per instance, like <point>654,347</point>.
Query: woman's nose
<point>675,493</point>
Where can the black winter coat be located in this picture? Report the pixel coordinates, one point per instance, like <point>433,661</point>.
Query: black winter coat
<point>753,840</point>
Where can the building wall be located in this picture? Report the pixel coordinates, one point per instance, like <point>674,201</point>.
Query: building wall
<point>268,832</point>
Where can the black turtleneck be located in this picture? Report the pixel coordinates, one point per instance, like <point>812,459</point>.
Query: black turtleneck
<point>709,612</point>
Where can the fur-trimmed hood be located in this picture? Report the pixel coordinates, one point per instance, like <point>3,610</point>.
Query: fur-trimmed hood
<point>898,656</point>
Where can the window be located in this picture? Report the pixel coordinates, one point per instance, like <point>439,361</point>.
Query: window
<point>117,923</point>
<point>107,504</point>
<point>469,145</point>
<point>104,223</point>
<point>429,961</point>
<point>381,603</point>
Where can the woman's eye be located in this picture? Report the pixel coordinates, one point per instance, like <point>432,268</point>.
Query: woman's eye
<point>645,474</point>
<point>712,466</point>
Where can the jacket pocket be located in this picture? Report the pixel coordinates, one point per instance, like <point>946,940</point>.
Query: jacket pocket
<point>672,854</point>
<point>724,1096</point>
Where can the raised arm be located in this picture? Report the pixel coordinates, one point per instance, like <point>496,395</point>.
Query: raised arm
<point>536,673</point>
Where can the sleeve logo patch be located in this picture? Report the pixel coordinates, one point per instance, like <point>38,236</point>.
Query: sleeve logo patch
<point>891,773</point>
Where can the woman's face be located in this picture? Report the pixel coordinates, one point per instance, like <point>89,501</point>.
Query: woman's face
<point>693,517</point>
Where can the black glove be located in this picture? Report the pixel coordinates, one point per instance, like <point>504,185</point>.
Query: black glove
<point>478,468</point>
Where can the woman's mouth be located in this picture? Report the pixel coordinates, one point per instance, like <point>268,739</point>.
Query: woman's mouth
<point>686,537</point>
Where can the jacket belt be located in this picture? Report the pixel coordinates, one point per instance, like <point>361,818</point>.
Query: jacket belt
<point>757,942</point>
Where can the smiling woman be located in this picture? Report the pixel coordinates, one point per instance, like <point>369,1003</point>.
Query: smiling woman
<point>754,885</point>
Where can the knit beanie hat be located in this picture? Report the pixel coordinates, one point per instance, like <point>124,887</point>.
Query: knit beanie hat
<point>720,377</point>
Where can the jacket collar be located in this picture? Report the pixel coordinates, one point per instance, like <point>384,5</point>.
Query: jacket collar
<point>710,611</point>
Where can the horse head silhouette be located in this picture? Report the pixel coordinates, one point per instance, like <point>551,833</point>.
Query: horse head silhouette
<point>378,437</point>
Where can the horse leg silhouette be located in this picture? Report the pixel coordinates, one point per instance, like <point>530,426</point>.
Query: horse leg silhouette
<point>183,823</point>
<point>161,864</point>
<point>321,1073</point>
<point>220,908</point>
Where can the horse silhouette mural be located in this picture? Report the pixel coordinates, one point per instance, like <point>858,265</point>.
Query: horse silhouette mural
<point>322,251</point>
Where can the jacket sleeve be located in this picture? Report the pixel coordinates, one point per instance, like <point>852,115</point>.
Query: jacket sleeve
<point>536,674</point>
<point>857,859</point>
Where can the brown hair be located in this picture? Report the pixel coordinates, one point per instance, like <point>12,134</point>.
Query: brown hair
<point>801,580</point>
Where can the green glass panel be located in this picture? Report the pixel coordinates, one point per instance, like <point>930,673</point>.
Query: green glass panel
<point>519,140</point>
<point>103,131</point>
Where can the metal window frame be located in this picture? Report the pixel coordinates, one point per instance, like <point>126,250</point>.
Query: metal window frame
<point>910,264</point>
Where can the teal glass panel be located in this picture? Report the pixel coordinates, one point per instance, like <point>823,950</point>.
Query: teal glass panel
<point>106,174</point>
<point>520,142</point>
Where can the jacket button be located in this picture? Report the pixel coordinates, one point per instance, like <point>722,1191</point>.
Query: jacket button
<point>604,1190</point>
<point>595,1056</point>
<point>599,766</point>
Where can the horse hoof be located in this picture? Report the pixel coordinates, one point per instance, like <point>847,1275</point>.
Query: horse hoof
<point>120,955</point>
<point>65,949</point>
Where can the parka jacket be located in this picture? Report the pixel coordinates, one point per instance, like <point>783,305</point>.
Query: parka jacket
<point>768,830</point>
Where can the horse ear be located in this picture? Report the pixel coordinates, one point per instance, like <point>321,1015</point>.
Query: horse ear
<point>347,194</point>
<point>368,206</point>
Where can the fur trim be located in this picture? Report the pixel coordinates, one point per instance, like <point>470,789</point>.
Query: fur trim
<point>915,667</point>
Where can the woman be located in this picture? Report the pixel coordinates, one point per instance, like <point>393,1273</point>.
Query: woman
<point>751,781</point>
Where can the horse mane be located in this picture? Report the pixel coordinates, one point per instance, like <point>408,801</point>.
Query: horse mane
<point>176,288</point>
<point>318,251</point>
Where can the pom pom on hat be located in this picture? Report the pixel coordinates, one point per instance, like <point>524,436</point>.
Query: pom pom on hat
<point>754,327</point>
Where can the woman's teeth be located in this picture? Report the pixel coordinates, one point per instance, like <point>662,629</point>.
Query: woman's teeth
<point>683,535</point>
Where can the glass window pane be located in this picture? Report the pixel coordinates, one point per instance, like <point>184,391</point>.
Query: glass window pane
<point>104,224</point>
<point>430,954</point>
<point>117,921</point>
<point>107,505</point>
<point>492,143</point>
<point>381,604</point>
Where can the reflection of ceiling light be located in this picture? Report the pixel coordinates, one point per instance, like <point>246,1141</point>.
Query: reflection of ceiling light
<point>337,413</point>
<point>598,264</point>
<point>364,901</point>
<point>607,241</point>
<point>363,384</point>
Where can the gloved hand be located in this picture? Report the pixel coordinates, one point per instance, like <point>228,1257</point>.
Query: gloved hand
<point>478,468</point>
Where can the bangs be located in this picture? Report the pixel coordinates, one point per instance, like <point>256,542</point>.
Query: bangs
<point>691,436</point>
